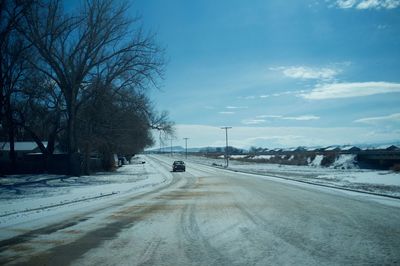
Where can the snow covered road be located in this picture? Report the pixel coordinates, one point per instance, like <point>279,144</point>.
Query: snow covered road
<point>209,216</point>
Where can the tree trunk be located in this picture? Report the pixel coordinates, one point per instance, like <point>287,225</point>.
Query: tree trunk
<point>12,154</point>
<point>107,159</point>
<point>38,141</point>
<point>72,149</point>
<point>86,159</point>
<point>47,155</point>
<point>71,145</point>
<point>11,137</point>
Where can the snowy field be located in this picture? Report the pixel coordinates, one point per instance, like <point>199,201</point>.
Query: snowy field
<point>43,199</point>
<point>144,214</point>
<point>39,200</point>
<point>342,174</point>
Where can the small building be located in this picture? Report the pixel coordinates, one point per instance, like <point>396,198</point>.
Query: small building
<point>388,148</point>
<point>21,148</point>
<point>300,149</point>
<point>331,149</point>
<point>350,148</point>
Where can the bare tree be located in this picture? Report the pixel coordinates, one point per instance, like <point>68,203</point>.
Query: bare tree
<point>99,42</point>
<point>40,111</point>
<point>13,68</point>
<point>117,123</point>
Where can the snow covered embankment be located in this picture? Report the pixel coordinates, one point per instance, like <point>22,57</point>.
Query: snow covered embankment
<point>24,198</point>
<point>342,161</point>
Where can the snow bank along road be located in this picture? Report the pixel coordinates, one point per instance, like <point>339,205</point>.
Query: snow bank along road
<point>209,216</point>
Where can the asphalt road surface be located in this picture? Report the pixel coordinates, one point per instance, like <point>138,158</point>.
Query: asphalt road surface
<point>209,216</point>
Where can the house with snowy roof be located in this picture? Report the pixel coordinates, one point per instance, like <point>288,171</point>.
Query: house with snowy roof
<point>312,149</point>
<point>21,148</point>
<point>349,148</point>
<point>331,148</point>
<point>388,148</point>
<point>300,149</point>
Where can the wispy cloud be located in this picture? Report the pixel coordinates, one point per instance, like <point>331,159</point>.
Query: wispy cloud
<point>382,27</point>
<point>236,107</point>
<point>304,72</point>
<point>285,93</point>
<point>269,116</point>
<point>226,113</point>
<point>367,4</point>
<point>348,90</point>
<point>262,119</point>
<point>345,3</point>
<point>253,121</point>
<point>302,117</point>
<point>393,118</point>
<point>249,97</point>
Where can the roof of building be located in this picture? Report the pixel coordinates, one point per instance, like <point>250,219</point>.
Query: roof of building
<point>331,148</point>
<point>349,147</point>
<point>387,147</point>
<point>21,145</point>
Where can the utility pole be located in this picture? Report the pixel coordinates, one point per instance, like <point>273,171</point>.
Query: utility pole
<point>159,141</point>
<point>171,147</point>
<point>226,147</point>
<point>186,139</point>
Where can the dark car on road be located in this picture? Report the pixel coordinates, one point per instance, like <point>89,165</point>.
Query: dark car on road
<point>178,166</point>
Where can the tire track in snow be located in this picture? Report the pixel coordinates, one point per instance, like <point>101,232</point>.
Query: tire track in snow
<point>196,246</point>
<point>148,254</point>
<point>289,235</point>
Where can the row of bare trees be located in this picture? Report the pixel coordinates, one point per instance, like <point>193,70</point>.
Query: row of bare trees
<point>78,77</point>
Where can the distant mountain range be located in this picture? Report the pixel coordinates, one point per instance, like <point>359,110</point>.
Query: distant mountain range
<point>182,149</point>
<point>174,149</point>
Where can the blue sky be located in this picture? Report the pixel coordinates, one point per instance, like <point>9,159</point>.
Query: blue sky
<point>281,73</point>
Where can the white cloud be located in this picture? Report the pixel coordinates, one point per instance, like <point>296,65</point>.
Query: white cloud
<point>302,117</point>
<point>393,118</point>
<point>269,116</point>
<point>253,121</point>
<point>377,4</point>
<point>250,97</point>
<point>347,90</point>
<point>303,72</point>
<point>285,93</point>
<point>368,4</point>
<point>226,113</point>
<point>382,27</point>
<point>346,3</point>
<point>299,118</point>
<point>236,107</point>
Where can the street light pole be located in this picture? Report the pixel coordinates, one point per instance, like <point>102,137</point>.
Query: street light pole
<point>186,139</point>
<point>226,147</point>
